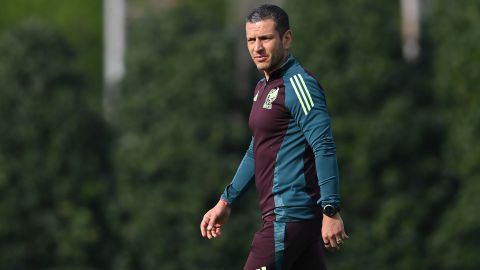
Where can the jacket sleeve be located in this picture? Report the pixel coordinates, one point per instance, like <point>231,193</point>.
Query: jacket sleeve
<point>308,107</point>
<point>242,179</point>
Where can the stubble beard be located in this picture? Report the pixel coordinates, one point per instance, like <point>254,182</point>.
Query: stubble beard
<point>273,64</point>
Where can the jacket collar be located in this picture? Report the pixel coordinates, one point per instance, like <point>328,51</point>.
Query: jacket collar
<point>278,73</point>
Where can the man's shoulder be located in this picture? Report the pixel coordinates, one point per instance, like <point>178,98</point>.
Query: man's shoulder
<point>298,77</point>
<point>301,88</point>
<point>298,73</point>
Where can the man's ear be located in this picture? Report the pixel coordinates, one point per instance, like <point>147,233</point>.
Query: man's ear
<point>287,39</point>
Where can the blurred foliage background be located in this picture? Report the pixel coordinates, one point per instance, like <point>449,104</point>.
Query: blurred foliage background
<point>78,192</point>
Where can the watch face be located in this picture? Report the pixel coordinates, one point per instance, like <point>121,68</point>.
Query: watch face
<point>329,210</point>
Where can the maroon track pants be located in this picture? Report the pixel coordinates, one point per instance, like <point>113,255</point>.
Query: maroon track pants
<point>287,246</point>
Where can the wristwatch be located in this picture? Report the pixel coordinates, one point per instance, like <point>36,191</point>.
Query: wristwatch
<point>330,210</point>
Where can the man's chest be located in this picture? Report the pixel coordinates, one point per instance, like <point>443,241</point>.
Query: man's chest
<point>269,115</point>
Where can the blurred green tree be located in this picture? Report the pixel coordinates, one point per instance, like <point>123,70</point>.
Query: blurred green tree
<point>406,137</point>
<point>54,161</point>
<point>395,126</point>
<point>80,22</point>
<point>455,32</point>
<point>387,127</point>
<point>180,139</point>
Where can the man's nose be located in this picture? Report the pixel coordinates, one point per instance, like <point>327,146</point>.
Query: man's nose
<point>258,45</point>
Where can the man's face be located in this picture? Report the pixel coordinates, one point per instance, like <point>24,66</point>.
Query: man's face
<point>266,47</point>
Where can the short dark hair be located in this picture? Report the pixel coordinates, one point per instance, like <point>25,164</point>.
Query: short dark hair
<point>277,14</point>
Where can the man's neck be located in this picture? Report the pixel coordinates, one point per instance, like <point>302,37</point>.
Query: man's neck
<point>268,73</point>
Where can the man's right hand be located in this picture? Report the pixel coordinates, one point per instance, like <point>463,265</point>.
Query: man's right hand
<point>214,219</point>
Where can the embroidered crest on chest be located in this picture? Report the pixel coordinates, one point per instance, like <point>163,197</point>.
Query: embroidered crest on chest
<point>272,95</point>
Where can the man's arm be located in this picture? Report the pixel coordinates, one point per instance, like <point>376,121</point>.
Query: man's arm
<point>215,218</point>
<point>243,177</point>
<point>309,109</point>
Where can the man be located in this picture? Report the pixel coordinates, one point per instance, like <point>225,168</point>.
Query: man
<point>291,158</point>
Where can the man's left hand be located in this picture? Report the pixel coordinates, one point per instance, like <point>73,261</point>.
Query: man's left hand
<point>333,232</point>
